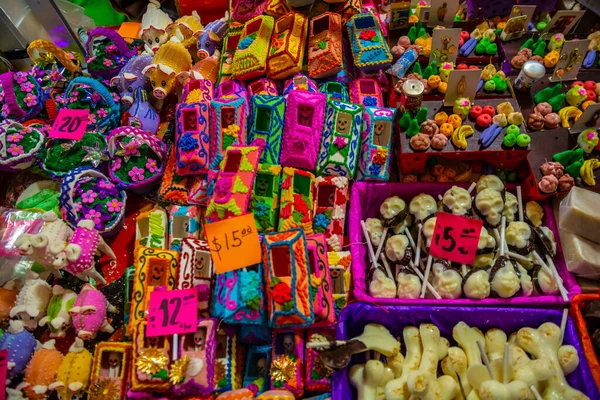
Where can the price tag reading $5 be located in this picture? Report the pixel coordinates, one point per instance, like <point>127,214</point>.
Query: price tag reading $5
<point>233,243</point>
<point>455,238</point>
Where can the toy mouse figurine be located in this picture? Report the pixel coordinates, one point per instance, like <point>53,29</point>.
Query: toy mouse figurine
<point>153,30</point>
<point>58,317</point>
<point>78,256</point>
<point>20,346</point>
<point>32,301</point>
<point>73,375</point>
<point>41,371</point>
<point>89,313</point>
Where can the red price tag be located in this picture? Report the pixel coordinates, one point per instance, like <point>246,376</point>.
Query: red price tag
<point>172,311</point>
<point>70,124</point>
<point>455,238</point>
<point>3,372</point>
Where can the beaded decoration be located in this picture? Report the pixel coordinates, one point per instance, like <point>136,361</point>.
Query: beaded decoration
<point>266,123</point>
<point>287,369</point>
<point>301,133</point>
<point>192,138</point>
<point>376,147</point>
<point>341,278</point>
<point>325,45</point>
<point>335,91</point>
<point>265,197</point>
<point>233,183</point>
<point>296,205</point>
<point>369,48</point>
<point>101,379</point>
<point>73,375</point>
<point>366,91</point>
<point>341,136</point>
<point>331,197</point>
<point>320,280</point>
<point>285,256</point>
<point>230,45</point>
<point>184,222</point>
<point>286,51</point>
<point>59,156</point>
<point>318,377</point>
<point>228,125</point>
<point>256,371</point>
<point>151,228</point>
<point>21,96</point>
<point>19,145</point>
<point>174,187</point>
<point>196,270</point>
<point>250,57</point>
<point>152,354</point>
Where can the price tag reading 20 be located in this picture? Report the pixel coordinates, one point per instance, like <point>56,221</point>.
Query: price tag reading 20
<point>455,238</point>
<point>233,243</point>
<point>70,124</point>
<point>172,311</point>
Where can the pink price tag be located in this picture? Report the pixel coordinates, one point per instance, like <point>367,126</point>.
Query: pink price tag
<point>455,238</point>
<point>70,124</point>
<point>172,311</point>
<point>3,372</point>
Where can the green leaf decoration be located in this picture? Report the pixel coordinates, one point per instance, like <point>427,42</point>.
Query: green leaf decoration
<point>288,306</point>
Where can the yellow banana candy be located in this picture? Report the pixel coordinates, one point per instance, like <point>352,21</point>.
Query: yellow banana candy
<point>460,135</point>
<point>587,171</point>
<point>567,113</point>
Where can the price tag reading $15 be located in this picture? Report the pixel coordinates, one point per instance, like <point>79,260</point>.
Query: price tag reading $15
<point>455,238</point>
<point>233,243</point>
<point>70,124</point>
<point>172,311</point>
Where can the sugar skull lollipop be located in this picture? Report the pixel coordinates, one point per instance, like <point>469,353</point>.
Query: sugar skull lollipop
<point>398,250</point>
<point>422,207</point>
<point>511,207</point>
<point>476,284</point>
<point>534,213</point>
<point>457,201</point>
<point>393,210</point>
<point>447,281</point>
<point>490,182</point>
<point>489,207</point>
<point>519,238</point>
<point>504,278</point>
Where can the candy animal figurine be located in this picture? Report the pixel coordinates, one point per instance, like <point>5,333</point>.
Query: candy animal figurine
<point>141,114</point>
<point>185,31</point>
<point>73,375</point>
<point>131,78</point>
<point>41,371</point>
<point>170,65</point>
<point>89,313</point>
<point>154,27</point>
<point>20,346</point>
<point>78,257</point>
<point>210,39</point>
<point>43,246</point>
<point>58,317</point>
<point>8,296</point>
<point>32,301</point>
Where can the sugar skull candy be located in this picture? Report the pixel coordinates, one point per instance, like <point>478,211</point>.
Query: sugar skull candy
<point>427,232</point>
<point>200,338</point>
<point>534,213</point>
<point>375,230</point>
<point>552,168</point>
<point>489,207</point>
<point>261,365</point>
<point>422,207</point>
<point>490,182</point>
<point>548,184</point>
<point>504,279</point>
<point>476,284</point>
<point>446,280</point>
<point>457,201</point>
<point>397,249</point>
<point>511,207</point>
<point>381,285</point>
<point>289,344</point>
<point>486,243</point>
<point>429,128</point>
<point>409,284</point>
<point>393,210</point>
<point>519,237</point>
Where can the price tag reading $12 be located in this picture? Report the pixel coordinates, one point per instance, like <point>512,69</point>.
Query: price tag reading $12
<point>233,243</point>
<point>3,372</point>
<point>455,238</point>
<point>70,124</point>
<point>172,311</point>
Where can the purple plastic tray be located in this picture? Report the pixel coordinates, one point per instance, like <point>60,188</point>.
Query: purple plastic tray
<point>364,203</point>
<point>355,316</point>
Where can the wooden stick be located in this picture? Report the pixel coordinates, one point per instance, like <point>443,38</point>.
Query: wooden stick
<point>463,269</point>
<point>369,246</point>
<point>506,362</point>
<point>387,267</point>
<point>553,273</point>
<point>520,202</point>
<point>563,324</point>
<point>418,249</point>
<point>426,276</point>
<point>535,392</point>
<point>485,360</point>
<point>553,267</point>
<point>473,184</point>
<point>380,244</point>
<point>429,285</point>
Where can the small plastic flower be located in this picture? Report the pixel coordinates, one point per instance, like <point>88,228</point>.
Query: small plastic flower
<point>340,142</point>
<point>111,48</point>
<point>28,129</point>
<point>116,97</point>
<point>14,137</point>
<point>114,205</point>
<point>370,101</point>
<point>187,142</point>
<point>5,110</point>
<point>30,100</point>
<point>261,210</point>
<point>380,157</point>
<point>367,34</point>
<point>15,149</point>
<point>96,97</point>
<point>464,102</point>
<point>94,215</point>
<point>581,92</point>
<point>91,118</point>
<point>27,87</point>
<point>102,113</point>
<point>78,206</point>
<point>116,164</point>
<point>20,77</point>
<point>56,76</point>
<point>107,63</point>
<point>151,165</point>
<point>447,66</point>
<point>89,196</point>
<point>104,184</point>
<point>321,222</point>
<point>282,293</point>
<point>131,148</point>
<point>136,174</point>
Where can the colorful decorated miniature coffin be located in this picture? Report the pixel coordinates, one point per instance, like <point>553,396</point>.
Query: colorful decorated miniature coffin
<point>226,367</point>
<point>369,48</point>
<point>285,256</point>
<point>299,82</point>
<point>228,125</point>
<point>250,57</point>
<point>196,270</point>
<point>296,204</point>
<point>334,91</point>
<point>325,45</point>
<point>339,267</point>
<point>265,197</point>
<point>151,358</point>
<point>258,360</point>
<point>152,228</point>
<point>192,138</point>
<point>277,8</point>
<point>245,10</point>
<point>366,91</point>
<point>184,222</point>
<point>198,90</point>
<point>376,146</point>
<point>301,134</point>
<point>233,87</point>
<point>200,349</point>
<point>238,296</point>
<point>173,188</point>
<point>233,184</point>
<point>321,281</point>
<point>341,136</point>
<point>198,190</point>
<point>230,45</point>
<point>266,123</point>
<point>153,267</point>
<point>318,377</point>
<point>266,86</point>
<point>254,334</point>
<point>111,370</point>
<point>286,52</point>
<point>331,197</point>
<point>288,354</point>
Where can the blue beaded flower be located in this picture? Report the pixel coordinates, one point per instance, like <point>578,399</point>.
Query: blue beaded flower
<point>375,169</point>
<point>370,101</point>
<point>321,222</point>
<point>187,142</point>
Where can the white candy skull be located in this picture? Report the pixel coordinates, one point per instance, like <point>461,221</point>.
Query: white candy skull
<point>486,241</point>
<point>288,344</point>
<point>489,182</point>
<point>262,367</point>
<point>457,200</point>
<point>511,207</point>
<point>114,359</point>
<point>409,286</point>
<point>391,207</point>
<point>518,234</point>
<point>490,205</point>
<point>200,338</point>
<point>446,281</point>
<point>422,206</point>
<point>374,229</point>
<point>427,231</point>
<point>382,286</point>
<point>395,247</point>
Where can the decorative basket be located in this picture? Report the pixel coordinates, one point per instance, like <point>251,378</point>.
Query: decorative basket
<point>107,53</point>
<point>19,145</point>
<point>137,159</point>
<point>54,67</point>
<point>63,155</point>
<point>88,93</point>
<point>21,96</point>
<point>89,194</point>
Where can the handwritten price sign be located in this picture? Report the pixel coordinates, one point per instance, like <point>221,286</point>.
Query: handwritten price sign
<point>455,238</point>
<point>3,372</point>
<point>233,243</point>
<point>172,311</point>
<point>70,124</point>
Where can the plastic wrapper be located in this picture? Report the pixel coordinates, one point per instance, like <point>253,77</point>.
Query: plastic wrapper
<point>581,255</point>
<point>580,215</point>
<point>355,316</point>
